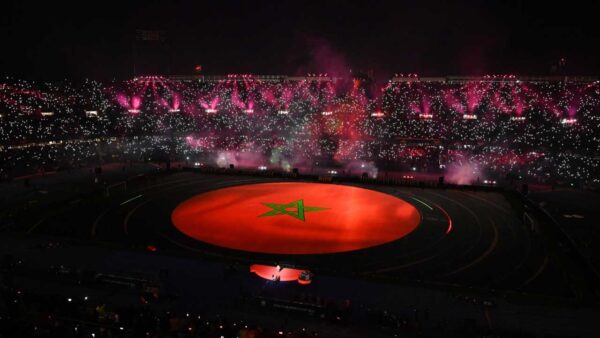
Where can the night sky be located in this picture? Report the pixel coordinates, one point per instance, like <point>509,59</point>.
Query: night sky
<point>50,40</point>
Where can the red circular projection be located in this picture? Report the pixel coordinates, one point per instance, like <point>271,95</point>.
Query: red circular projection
<point>295,218</point>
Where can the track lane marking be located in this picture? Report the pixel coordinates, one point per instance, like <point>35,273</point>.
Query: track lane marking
<point>418,200</point>
<point>131,199</point>
<point>126,220</point>
<point>536,274</point>
<point>482,256</point>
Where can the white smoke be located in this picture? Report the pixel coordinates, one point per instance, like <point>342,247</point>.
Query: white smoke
<point>357,168</point>
<point>463,173</point>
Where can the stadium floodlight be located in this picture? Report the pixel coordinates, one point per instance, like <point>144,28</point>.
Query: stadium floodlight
<point>47,113</point>
<point>248,111</point>
<point>426,116</point>
<point>134,111</point>
<point>91,113</point>
<point>283,112</point>
<point>326,113</point>
<point>568,121</point>
<point>470,117</point>
<point>518,118</point>
<point>377,114</point>
<point>174,110</point>
<point>210,110</point>
<point>262,167</point>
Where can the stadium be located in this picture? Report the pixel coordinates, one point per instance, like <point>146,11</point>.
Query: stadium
<point>299,169</point>
<point>428,182</point>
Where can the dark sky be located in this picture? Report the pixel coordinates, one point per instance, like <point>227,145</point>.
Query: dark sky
<point>49,40</point>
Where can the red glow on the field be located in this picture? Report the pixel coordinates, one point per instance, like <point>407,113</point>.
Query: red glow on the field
<point>352,219</point>
<point>278,273</point>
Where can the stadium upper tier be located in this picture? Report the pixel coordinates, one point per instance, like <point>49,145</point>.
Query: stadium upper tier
<point>451,109</point>
<point>501,121</point>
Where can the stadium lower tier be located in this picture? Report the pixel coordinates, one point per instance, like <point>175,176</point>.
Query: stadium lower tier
<point>461,162</point>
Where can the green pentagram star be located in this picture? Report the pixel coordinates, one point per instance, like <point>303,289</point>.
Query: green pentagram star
<point>281,209</point>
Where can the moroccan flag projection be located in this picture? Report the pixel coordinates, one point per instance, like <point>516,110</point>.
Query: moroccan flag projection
<point>295,218</point>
